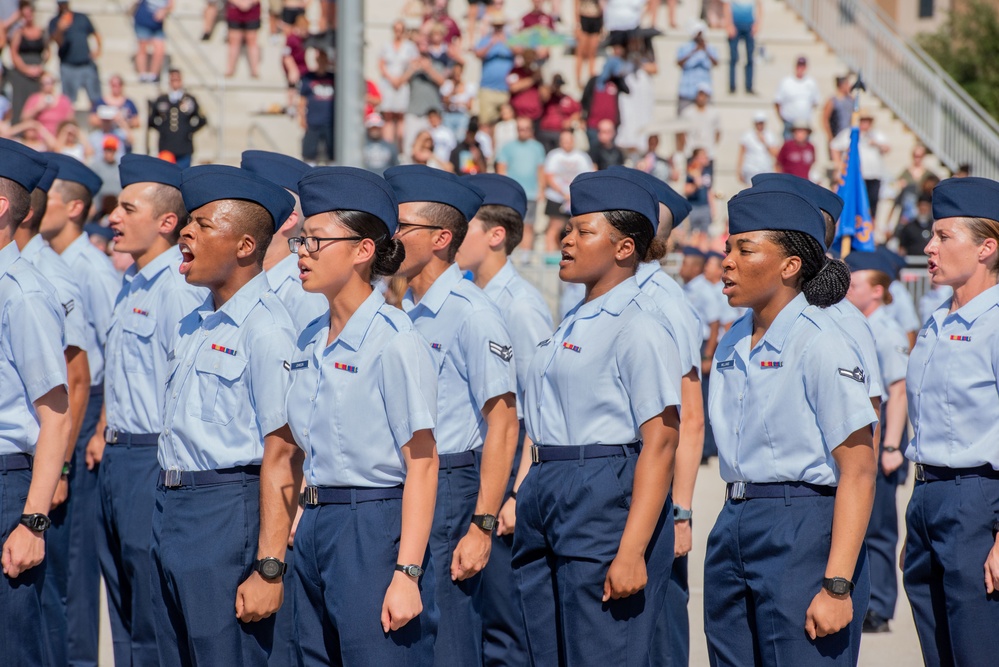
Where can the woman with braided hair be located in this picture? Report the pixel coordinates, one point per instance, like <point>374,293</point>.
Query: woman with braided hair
<point>786,568</point>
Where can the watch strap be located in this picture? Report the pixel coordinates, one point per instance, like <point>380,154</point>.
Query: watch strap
<point>835,585</point>
<point>261,563</point>
<point>682,513</point>
<point>486,522</point>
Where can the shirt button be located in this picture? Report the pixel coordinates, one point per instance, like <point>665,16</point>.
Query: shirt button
<point>305,431</point>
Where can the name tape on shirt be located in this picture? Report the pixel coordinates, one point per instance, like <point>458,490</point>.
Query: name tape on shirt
<point>345,367</point>
<point>722,365</point>
<point>856,374</point>
<point>222,348</point>
<point>963,339</point>
<point>771,364</point>
<point>296,366</point>
<point>139,311</point>
<point>571,347</point>
<point>504,352</point>
<point>68,307</point>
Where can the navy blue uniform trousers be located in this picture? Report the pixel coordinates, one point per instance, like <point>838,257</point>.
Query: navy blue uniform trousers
<point>570,518</point>
<point>204,545</point>
<point>765,562</point>
<point>882,542</point>
<point>459,636</point>
<point>671,644</point>
<point>345,558</point>
<point>284,652</point>
<point>71,593</point>
<point>21,642</point>
<point>949,536</point>
<point>127,485</point>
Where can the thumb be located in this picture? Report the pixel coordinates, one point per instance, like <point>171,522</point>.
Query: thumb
<point>607,588</point>
<point>7,564</point>
<point>386,617</point>
<point>989,583</point>
<point>810,625</point>
<point>89,457</point>
<point>455,565</point>
<point>239,603</point>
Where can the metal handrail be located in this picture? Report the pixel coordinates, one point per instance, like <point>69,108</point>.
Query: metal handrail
<point>906,79</point>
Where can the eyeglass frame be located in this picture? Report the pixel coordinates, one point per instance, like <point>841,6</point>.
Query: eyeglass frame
<point>303,241</point>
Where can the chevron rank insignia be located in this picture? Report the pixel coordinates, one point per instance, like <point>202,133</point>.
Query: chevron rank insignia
<point>856,374</point>
<point>68,307</point>
<point>504,352</point>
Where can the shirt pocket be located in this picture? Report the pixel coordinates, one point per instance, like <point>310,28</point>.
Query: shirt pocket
<point>137,349</point>
<point>219,394</point>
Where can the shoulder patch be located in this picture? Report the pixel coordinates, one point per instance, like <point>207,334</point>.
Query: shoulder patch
<point>68,306</point>
<point>856,374</point>
<point>504,352</point>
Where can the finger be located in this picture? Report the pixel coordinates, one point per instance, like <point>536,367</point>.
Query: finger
<point>386,618</point>
<point>810,626</point>
<point>239,604</point>
<point>607,589</point>
<point>989,585</point>
<point>455,565</point>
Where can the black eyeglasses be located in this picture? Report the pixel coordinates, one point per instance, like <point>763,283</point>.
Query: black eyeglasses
<point>311,243</point>
<point>413,225</point>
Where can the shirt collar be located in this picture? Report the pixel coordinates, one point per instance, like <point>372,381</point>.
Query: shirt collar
<point>439,291</point>
<point>159,264</point>
<point>781,326</point>
<point>978,306</point>
<point>76,248</point>
<point>645,271</point>
<point>500,280</point>
<point>613,302</point>
<point>286,269</point>
<point>357,326</point>
<point>33,248</point>
<point>238,307</point>
<point>8,255</point>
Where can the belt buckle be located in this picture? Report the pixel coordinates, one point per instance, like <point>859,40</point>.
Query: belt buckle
<point>535,454</point>
<point>172,478</point>
<point>737,491</point>
<point>110,435</point>
<point>311,496</point>
<point>920,473</point>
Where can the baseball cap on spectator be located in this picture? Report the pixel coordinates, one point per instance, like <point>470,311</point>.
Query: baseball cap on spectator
<point>374,120</point>
<point>760,117</point>
<point>704,87</point>
<point>697,27</point>
<point>167,156</point>
<point>801,124</point>
<point>802,61</point>
<point>106,112</point>
<point>110,143</point>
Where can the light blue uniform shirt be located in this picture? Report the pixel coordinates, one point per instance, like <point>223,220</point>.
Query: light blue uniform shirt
<point>701,295</point>
<point>50,264</point>
<point>147,314</point>
<point>472,352</point>
<point>354,404</point>
<point>302,306</point>
<point>779,410</point>
<point>953,386</point>
<point>680,317</point>
<point>858,331</point>
<point>527,317</point>
<point>902,308</point>
<point>892,348</point>
<point>31,349</point>
<point>99,284</point>
<point>611,366</point>
<point>227,382</point>
<point>933,299</point>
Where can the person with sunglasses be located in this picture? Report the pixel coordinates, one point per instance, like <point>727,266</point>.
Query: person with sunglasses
<point>363,406</point>
<point>476,398</point>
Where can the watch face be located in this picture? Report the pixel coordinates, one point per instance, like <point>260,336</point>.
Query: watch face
<point>414,570</point>
<point>838,586</point>
<point>487,522</point>
<point>37,522</point>
<point>270,568</point>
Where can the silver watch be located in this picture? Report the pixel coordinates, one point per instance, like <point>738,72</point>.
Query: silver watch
<point>414,571</point>
<point>682,513</point>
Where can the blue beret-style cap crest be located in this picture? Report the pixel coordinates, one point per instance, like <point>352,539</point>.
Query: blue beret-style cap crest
<point>348,189</point>
<point>970,197</point>
<point>824,198</point>
<point>759,209</point>
<point>207,183</point>
<point>71,169</point>
<point>500,190</point>
<point>417,182</point>
<point>135,168</point>
<point>278,168</point>
<point>598,191</point>
<point>21,164</point>
<point>678,205</point>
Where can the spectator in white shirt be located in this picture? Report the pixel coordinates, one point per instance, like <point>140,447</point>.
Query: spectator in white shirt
<point>873,146</point>
<point>561,166</point>
<point>444,139</point>
<point>700,125</point>
<point>757,150</point>
<point>797,97</point>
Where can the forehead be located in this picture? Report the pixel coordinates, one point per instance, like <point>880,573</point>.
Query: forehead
<point>136,193</point>
<point>757,237</point>
<point>320,222</point>
<point>410,212</point>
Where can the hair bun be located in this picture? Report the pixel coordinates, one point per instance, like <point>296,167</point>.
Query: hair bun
<point>829,285</point>
<point>389,254</point>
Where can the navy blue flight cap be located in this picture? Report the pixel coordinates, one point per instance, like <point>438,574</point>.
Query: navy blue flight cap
<point>135,168</point>
<point>51,173</point>
<point>824,198</point>
<point>598,191</point>
<point>71,169</point>
<point>896,260</point>
<point>278,168</point>
<point>969,197</point>
<point>691,251</point>
<point>417,182</point>
<point>21,164</point>
<point>500,190</point>
<point>348,189</point>
<point>678,206</point>
<point>211,182</point>
<point>763,208</point>
<point>870,261</point>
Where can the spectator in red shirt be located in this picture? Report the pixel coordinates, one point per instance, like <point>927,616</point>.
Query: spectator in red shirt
<point>438,14</point>
<point>537,16</point>
<point>524,82</point>
<point>559,112</point>
<point>797,155</point>
<point>600,103</point>
<point>293,56</point>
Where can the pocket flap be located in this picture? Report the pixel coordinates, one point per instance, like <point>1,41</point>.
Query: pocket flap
<point>221,364</point>
<point>141,325</point>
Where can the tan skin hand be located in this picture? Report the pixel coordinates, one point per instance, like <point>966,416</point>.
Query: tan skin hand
<point>507,519</point>
<point>257,598</point>
<point>95,450</point>
<point>626,576</point>
<point>992,569</point>
<point>684,538</point>
<point>402,602</point>
<point>828,614</point>
<point>23,550</point>
<point>61,492</point>
<point>471,554</point>
<point>891,461</point>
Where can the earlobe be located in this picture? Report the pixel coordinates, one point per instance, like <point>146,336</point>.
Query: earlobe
<point>247,247</point>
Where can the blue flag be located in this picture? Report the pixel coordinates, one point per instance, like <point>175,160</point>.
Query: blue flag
<point>855,221</point>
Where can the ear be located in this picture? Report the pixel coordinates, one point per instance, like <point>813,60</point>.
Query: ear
<point>4,206</point>
<point>246,247</point>
<point>364,251</point>
<point>988,249</point>
<point>443,239</point>
<point>75,209</point>
<point>169,223</point>
<point>497,237</point>
<point>791,268</point>
<point>625,248</point>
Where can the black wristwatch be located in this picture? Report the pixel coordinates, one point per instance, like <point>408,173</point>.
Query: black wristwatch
<point>414,571</point>
<point>486,522</point>
<point>38,523</point>
<point>66,467</point>
<point>837,585</point>
<point>889,450</point>
<point>270,568</point>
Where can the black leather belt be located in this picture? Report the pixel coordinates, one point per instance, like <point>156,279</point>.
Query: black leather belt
<point>338,495</point>
<point>925,473</point>
<point>751,491</point>
<point>545,453</point>
<point>459,460</point>
<point>175,479</point>
<point>113,437</point>
<point>12,462</point>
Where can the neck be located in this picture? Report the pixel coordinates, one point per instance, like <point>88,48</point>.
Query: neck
<point>22,235</point>
<point>765,316</point>
<point>69,233</point>
<point>491,265</point>
<point>871,308</point>
<point>5,237</point>
<point>344,304</point>
<point>608,281</point>
<point>422,281</point>
<point>978,283</point>
<point>275,253</point>
<point>234,282</point>
<point>142,259</point>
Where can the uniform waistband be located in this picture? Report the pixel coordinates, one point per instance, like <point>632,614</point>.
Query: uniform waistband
<point>176,479</point>
<point>114,437</point>
<point>925,473</point>
<point>97,389</point>
<point>340,495</point>
<point>459,460</point>
<point>545,453</point>
<point>751,491</point>
<point>12,462</point>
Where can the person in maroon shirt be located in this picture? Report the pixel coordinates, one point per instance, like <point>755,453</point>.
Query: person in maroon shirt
<point>537,16</point>
<point>797,155</point>
<point>438,14</point>
<point>559,112</point>
<point>524,81</point>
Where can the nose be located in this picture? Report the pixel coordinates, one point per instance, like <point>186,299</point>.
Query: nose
<point>115,215</point>
<point>187,233</point>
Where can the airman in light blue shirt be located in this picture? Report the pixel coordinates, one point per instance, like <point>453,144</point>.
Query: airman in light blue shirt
<point>302,306</point>
<point>858,331</point>
<point>681,319</point>
<point>701,296</point>
<point>67,290</point>
<point>892,349</point>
